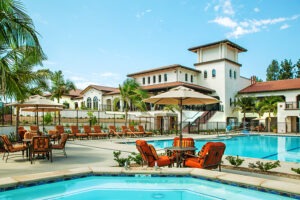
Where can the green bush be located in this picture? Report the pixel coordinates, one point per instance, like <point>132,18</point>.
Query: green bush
<point>47,118</point>
<point>137,158</point>
<point>121,161</point>
<point>296,170</point>
<point>265,166</point>
<point>235,161</point>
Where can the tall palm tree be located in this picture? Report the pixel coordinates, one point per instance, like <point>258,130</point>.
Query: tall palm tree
<point>19,51</point>
<point>268,105</point>
<point>244,105</point>
<point>132,96</point>
<point>59,86</point>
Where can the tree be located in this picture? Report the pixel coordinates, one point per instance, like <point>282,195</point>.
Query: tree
<point>258,79</point>
<point>286,70</point>
<point>59,86</point>
<point>19,52</point>
<point>132,96</point>
<point>244,105</point>
<point>297,69</point>
<point>273,71</point>
<point>268,105</point>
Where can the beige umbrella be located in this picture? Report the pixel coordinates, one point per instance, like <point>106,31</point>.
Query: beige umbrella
<point>38,102</point>
<point>181,96</point>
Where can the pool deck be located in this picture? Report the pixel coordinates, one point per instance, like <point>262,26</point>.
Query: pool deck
<point>96,156</point>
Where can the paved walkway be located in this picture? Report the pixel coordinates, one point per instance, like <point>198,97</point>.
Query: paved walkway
<point>83,153</point>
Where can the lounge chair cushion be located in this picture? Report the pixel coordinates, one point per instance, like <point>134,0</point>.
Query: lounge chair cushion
<point>153,151</point>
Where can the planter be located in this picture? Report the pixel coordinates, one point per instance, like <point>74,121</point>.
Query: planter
<point>275,130</point>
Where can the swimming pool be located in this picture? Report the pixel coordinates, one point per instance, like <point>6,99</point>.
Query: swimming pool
<point>283,148</point>
<point>137,187</point>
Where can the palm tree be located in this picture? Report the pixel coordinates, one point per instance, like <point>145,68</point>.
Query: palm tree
<point>19,51</point>
<point>269,105</point>
<point>132,96</point>
<point>244,105</point>
<point>59,86</point>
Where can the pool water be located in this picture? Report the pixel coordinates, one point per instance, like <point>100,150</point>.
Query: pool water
<point>145,187</point>
<point>281,148</point>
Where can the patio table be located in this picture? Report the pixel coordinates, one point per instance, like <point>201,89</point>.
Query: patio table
<point>181,151</point>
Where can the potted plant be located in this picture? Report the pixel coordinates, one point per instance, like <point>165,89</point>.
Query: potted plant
<point>274,129</point>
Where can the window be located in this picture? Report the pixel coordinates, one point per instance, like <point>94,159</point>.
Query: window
<point>89,102</point>
<point>205,74</point>
<point>230,102</point>
<point>154,79</point>
<point>148,79</point>
<point>166,77</point>
<point>186,77</point>
<point>230,73</point>
<point>159,78</point>
<point>213,73</point>
<point>144,81</point>
<point>95,103</point>
<point>234,74</point>
<point>192,78</point>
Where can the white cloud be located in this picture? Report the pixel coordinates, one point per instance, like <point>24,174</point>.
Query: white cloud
<point>227,8</point>
<point>256,9</point>
<point>143,13</point>
<point>109,74</point>
<point>284,26</point>
<point>225,21</point>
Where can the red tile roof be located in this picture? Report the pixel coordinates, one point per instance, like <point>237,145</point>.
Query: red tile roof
<point>100,88</point>
<point>72,93</point>
<point>269,86</point>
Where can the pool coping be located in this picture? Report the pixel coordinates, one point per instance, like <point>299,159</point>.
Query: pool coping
<point>271,186</point>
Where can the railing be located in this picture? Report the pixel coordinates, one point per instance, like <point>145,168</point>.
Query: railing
<point>292,105</point>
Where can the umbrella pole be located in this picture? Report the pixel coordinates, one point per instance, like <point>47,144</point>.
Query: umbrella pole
<point>17,122</point>
<point>180,134</point>
<point>43,121</point>
<point>37,117</point>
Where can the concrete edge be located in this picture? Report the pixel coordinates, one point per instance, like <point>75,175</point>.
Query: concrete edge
<point>281,187</point>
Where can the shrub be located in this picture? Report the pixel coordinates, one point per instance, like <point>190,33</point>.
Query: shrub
<point>265,166</point>
<point>136,157</point>
<point>296,170</point>
<point>121,161</point>
<point>47,118</point>
<point>235,161</point>
<point>92,118</point>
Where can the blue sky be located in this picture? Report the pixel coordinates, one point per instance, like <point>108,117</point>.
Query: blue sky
<point>101,41</point>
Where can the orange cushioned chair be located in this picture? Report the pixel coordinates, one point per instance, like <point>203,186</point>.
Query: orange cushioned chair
<point>21,132</point>
<point>150,156</point>
<point>141,129</point>
<point>97,129</point>
<point>77,133</point>
<point>210,156</point>
<point>62,143</point>
<point>137,133</point>
<point>185,142</point>
<point>61,130</point>
<point>113,131</point>
<point>41,145</point>
<point>11,148</point>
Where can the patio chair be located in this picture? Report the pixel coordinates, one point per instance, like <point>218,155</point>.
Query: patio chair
<point>210,156</point>
<point>97,129</point>
<point>62,143</point>
<point>29,135</point>
<point>137,133</point>
<point>11,148</point>
<point>77,133</point>
<point>40,145</point>
<point>34,129</point>
<point>113,131</point>
<point>21,132</point>
<point>61,130</point>
<point>141,129</point>
<point>185,142</point>
<point>150,156</point>
<point>54,135</point>
<point>87,129</point>
<point>126,131</point>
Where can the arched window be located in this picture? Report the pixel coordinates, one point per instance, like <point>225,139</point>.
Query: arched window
<point>230,73</point>
<point>89,102</point>
<point>213,73</point>
<point>95,103</point>
<point>234,74</point>
<point>205,74</point>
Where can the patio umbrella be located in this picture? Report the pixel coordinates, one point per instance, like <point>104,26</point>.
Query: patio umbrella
<point>37,102</point>
<point>181,96</point>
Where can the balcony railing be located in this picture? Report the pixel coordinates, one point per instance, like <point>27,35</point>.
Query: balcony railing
<point>292,105</point>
